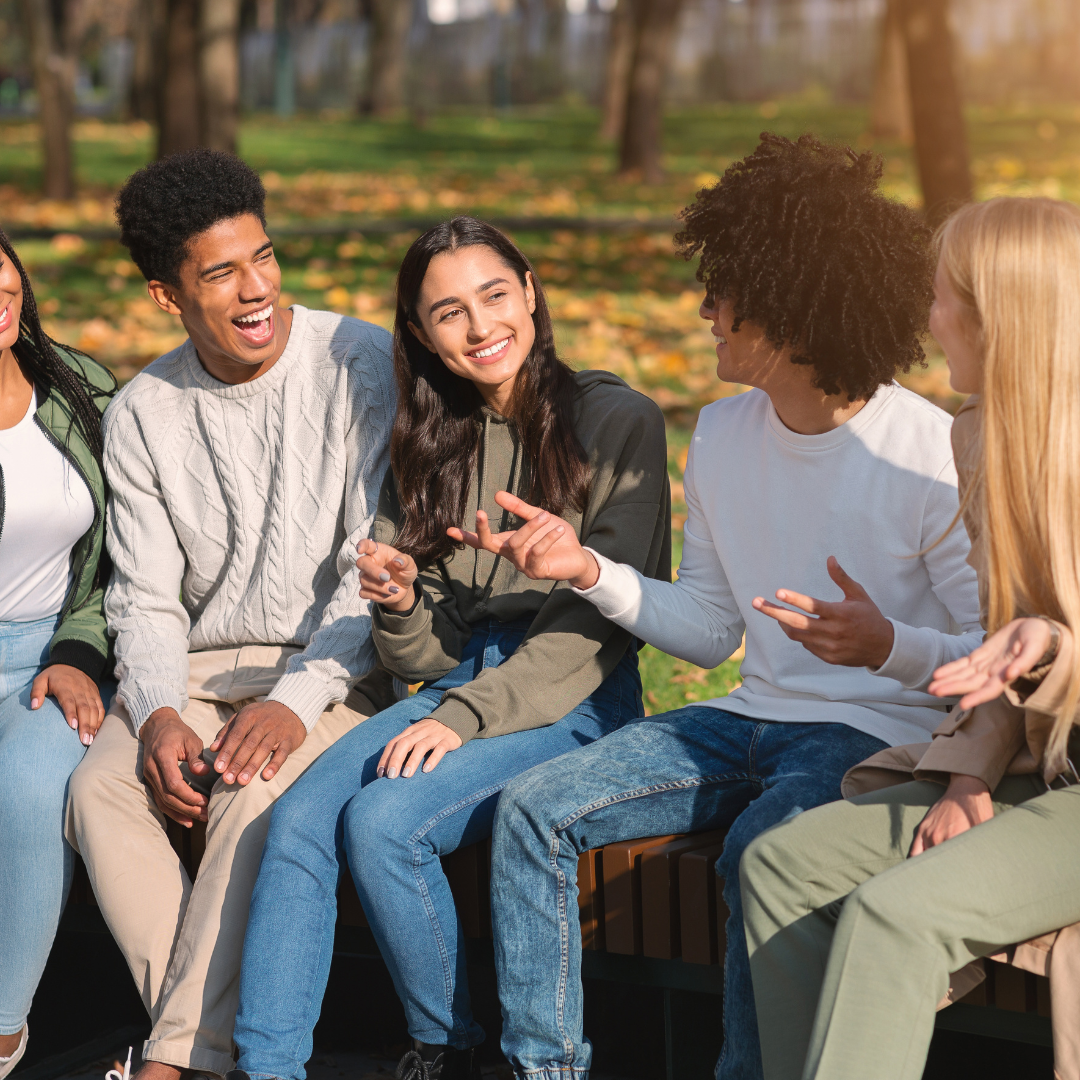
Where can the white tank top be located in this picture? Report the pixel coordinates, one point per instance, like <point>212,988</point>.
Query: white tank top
<point>47,508</point>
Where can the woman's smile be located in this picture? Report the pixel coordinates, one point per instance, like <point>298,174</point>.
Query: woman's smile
<point>491,354</point>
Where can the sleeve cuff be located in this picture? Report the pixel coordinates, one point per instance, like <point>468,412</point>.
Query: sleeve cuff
<point>617,590</point>
<point>306,694</point>
<point>399,622</point>
<point>142,700</point>
<point>910,662</point>
<point>459,718</point>
<point>78,654</point>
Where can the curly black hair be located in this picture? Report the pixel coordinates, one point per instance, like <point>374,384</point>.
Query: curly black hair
<point>162,206</point>
<point>801,242</point>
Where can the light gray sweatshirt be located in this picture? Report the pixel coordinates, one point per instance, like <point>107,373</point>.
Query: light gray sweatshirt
<point>235,510</point>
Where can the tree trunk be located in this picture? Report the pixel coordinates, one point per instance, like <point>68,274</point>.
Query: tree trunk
<point>179,100</point>
<point>937,112</point>
<point>620,51</point>
<point>390,22</point>
<point>890,109</point>
<point>147,30</point>
<point>54,79</point>
<point>642,136</point>
<point>219,73</point>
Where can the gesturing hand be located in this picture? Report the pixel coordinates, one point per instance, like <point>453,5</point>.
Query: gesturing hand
<point>386,575</point>
<point>167,741</point>
<point>264,729</point>
<point>1005,655</point>
<point>545,548</point>
<point>77,695</point>
<point>404,752</point>
<point>965,804</point>
<point>851,632</point>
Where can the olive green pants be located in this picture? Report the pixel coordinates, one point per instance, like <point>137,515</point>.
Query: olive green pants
<point>852,943</point>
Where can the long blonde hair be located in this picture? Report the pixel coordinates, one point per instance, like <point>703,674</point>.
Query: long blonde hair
<point>1016,264</point>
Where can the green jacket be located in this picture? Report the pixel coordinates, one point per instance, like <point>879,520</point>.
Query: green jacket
<point>81,640</point>
<point>570,647</point>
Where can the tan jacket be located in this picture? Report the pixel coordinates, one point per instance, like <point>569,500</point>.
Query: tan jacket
<point>1006,737</point>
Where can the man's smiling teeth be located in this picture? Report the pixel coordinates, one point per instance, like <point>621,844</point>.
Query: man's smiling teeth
<point>719,339</point>
<point>256,316</point>
<point>497,347</point>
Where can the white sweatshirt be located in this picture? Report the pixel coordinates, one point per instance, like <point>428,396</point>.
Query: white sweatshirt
<point>766,507</point>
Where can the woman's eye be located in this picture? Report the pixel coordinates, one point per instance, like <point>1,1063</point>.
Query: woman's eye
<point>450,314</point>
<point>496,296</point>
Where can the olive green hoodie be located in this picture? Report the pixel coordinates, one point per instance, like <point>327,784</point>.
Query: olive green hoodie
<point>570,648</point>
<point>81,639</point>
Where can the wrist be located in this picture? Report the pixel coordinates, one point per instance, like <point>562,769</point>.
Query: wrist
<point>157,719</point>
<point>886,638</point>
<point>960,784</point>
<point>590,573</point>
<point>405,603</point>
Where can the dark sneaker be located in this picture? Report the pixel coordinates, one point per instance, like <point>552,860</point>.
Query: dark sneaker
<point>432,1062</point>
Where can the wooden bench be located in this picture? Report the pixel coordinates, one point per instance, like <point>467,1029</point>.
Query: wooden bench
<point>652,914</point>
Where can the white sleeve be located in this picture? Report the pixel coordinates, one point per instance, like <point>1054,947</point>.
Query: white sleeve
<point>341,650</point>
<point>142,602</point>
<point>695,617</point>
<point>918,651</point>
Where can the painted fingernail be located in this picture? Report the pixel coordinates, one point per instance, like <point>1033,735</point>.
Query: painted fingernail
<point>399,562</point>
<point>391,773</point>
<point>34,702</point>
<point>87,739</point>
<point>544,516</point>
<point>380,771</point>
<point>394,589</point>
<point>561,528</point>
<point>384,576</point>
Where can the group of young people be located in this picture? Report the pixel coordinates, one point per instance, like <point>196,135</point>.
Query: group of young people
<point>275,529</point>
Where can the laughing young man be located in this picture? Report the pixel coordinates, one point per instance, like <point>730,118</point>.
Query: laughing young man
<point>827,478</point>
<point>244,467</point>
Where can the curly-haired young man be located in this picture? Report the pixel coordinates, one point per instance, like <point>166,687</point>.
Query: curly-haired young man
<point>829,479</point>
<point>244,466</point>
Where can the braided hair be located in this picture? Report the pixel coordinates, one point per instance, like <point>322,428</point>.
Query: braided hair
<point>36,352</point>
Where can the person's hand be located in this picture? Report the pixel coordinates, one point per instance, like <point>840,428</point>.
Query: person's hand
<point>851,632</point>
<point>77,695</point>
<point>404,752</point>
<point>386,575</point>
<point>167,741</point>
<point>965,804</point>
<point>261,730</point>
<point>544,548</point>
<point>1005,655</point>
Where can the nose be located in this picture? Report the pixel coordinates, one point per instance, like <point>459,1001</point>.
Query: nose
<point>707,310</point>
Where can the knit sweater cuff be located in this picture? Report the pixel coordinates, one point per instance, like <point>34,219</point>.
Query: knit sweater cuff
<point>147,698</point>
<point>306,694</point>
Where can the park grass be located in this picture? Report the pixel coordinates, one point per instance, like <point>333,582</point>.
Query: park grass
<point>623,301</point>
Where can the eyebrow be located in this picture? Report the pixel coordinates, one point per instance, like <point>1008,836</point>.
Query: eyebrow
<point>454,300</point>
<point>225,265</point>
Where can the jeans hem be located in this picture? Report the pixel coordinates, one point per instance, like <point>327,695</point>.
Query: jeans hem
<point>557,1072</point>
<point>182,1056</point>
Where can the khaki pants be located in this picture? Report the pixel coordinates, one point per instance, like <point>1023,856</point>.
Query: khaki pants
<point>183,941</point>
<point>852,943</point>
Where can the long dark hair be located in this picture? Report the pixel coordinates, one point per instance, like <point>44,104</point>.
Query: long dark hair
<point>37,355</point>
<point>437,430</point>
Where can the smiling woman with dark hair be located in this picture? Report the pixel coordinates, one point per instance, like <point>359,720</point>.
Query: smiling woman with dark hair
<point>514,672</point>
<point>53,644</point>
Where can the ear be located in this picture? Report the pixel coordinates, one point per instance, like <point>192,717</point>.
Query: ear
<point>165,296</point>
<point>421,336</point>
<point>530,292</point>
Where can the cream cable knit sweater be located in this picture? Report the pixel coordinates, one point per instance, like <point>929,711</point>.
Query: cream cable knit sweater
<point>234,513</point>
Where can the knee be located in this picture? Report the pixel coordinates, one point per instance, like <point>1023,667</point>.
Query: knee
<point>773,854</point>
<point>528,808</point>
<point>878,903</point>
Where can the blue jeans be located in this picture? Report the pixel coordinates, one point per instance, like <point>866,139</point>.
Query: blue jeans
<point>391,834</point>
<point>38,752</point>
<point>694,769</point>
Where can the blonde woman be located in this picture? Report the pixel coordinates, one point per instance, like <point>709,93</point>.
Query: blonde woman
<point>857,912</point>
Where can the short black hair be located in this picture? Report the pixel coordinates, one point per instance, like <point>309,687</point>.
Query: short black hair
<point>800,240</point>
<point>162,206</point>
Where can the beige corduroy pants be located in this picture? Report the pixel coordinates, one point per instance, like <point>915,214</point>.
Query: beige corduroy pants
<point>183,941</point>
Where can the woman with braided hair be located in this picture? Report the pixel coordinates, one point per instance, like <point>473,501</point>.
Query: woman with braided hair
<point>53,643</point>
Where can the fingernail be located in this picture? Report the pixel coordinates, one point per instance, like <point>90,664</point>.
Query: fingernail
<point>384,576</point>
<point>229,778</point>
<point>544,516</point>
<point>391,773</point>
<point>561,528</point>
<point>380,771</point>
<point>87,739</point>
<point>399,562</point>
<point>34,703</point>
<point>244,777</point>
<point>394,589</point>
